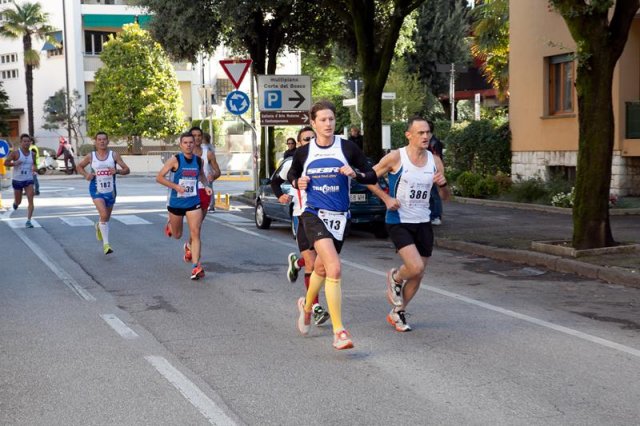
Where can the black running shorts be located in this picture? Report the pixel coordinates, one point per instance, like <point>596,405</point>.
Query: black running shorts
<point>419,234</point>
<point>181,212</point>
<point>315,230</point>
<point>301,237</point>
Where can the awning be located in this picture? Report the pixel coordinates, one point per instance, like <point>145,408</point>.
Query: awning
<point>113,21</point>
<point>58,37</point>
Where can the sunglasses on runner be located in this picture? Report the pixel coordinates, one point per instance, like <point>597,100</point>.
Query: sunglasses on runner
<point>307,139</point>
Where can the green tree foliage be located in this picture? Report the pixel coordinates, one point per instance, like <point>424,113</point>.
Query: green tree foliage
<point>442,29</point>
<point>327,82</point>
<point>56,115</point>
<point>600,35</point>
<point>410,98</point>
<point>261,28</point>
<point>482,147</point>
<point>375,26</point>
<point>26,21</point>
<point>4,111</point>
<point>491,42</point>
<point>136,93</point>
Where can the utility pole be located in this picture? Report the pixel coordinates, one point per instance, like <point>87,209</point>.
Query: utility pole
<point>65,47</point>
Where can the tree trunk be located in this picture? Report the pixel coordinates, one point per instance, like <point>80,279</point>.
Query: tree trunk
<point>600,36</point>
<point>28,78</point>
<point>591,227</point>
<point>372,119</point>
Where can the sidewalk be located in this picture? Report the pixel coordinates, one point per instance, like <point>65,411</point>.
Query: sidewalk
<point>505,231</point>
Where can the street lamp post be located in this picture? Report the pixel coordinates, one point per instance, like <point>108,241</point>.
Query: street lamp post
<point>65,46</point>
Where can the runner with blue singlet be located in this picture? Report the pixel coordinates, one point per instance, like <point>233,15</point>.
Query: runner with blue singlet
<point>102,185</point>
<point>323,168</point>
<point>186,172</point>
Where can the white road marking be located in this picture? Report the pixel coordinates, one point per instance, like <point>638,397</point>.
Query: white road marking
<point>77,220</point>
<point>60,273</point>
<point>228,217</point>
<point>190,391</point>
<point>119,326</point>
<point>130,219</point>
<point>19,223</point>
<point>566,330</point>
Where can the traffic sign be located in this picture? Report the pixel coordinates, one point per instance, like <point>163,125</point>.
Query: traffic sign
<point>388,95</point>
<point>236,70</point>
<point>4,148</point>
<point>237,102</point>
<point>349,102</point>
<point>284,92</point>
<point>284,118</point>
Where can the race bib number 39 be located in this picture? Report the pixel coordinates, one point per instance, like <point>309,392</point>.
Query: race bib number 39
<point>189,185</point>
<point>104,181</point>
<point>335,222</point>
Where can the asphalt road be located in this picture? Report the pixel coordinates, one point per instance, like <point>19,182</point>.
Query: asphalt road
<point>129,339</point>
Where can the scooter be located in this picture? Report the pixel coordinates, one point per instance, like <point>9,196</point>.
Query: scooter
<point>46,162</point>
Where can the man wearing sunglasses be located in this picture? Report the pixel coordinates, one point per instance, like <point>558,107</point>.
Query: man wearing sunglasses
<point>308,256</point>
<point>291,148</point>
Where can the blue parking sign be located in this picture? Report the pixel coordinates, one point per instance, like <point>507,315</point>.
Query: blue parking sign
<point>4,148</point>
<point>273,99</point>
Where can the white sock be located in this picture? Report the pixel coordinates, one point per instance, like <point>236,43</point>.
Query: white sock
<point>104,229</point>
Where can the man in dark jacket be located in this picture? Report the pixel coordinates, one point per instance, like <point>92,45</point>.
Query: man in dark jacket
<point>435,202</point>
<point>356,137</point>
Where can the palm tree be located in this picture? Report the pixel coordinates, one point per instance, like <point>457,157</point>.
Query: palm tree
<point>25,21</point>
<point>490,42</point>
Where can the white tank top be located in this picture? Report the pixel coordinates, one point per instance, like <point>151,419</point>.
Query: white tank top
<point>208,170</point>
<point>24,172</point>
<point>104,179</point>
<point>411,186</point>
<point>299,195</point>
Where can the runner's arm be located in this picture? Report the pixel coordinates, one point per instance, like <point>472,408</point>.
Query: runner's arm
<point>80,167</point>
<point>440,180</point>
<point>11,159</point>
<point>297,165</point>
<point>213,162</point>
<point>363,172</point>
<point>386,164</point>
<point>171,164</point>
<point>124,169</point>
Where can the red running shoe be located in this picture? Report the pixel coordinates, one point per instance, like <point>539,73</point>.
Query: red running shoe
<point>197,272</point>
<point>187,253</point>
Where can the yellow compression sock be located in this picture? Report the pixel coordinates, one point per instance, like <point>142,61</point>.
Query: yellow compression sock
<point>315,284</point>
<point>333,292</point>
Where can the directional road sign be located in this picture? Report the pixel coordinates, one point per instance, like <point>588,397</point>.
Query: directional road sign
<point>4,148</point>
<point>237,102</point>
<point>284,118</point>
<point>236,70</point>
<point>284,92</point>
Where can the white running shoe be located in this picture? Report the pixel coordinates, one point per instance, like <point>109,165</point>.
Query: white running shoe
<point>394,289</point>
<point>398,320</point>
<point>304,319</point>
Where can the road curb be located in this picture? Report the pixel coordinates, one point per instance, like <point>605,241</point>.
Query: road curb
<point>554,263</point>
<point>535,207</point>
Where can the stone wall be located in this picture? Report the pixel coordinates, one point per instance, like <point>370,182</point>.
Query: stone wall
<point>625,171</point>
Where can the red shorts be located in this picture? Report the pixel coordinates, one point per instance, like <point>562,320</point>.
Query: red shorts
<point>205,199</point>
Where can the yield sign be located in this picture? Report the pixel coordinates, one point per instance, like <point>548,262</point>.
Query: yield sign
<point>236,69</point>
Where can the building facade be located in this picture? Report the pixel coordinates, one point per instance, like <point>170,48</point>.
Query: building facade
<point>543,104</point>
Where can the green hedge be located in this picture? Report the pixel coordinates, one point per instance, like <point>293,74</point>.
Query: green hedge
<point>482,147</point>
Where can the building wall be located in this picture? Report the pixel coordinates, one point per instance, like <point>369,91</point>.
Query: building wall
<point>540,140</point>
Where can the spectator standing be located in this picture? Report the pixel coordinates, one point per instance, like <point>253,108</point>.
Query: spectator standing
<point>356,137</point>
<point>36,152</point>
<point>291,148</point>
<point>66,151</point>
<point>435,202</point>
